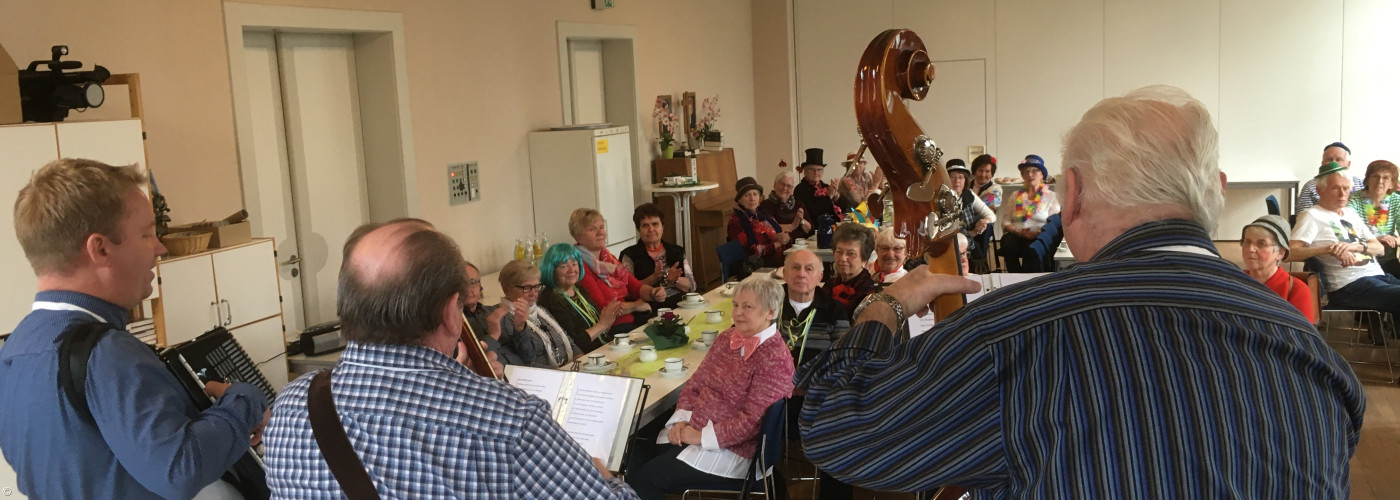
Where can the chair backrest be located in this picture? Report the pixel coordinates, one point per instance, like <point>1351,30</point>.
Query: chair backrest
<point>730,255</point>
<point>1315,286</point>
<point>1271,204</point>
<point>1047,242</point>
<point>770,445</point>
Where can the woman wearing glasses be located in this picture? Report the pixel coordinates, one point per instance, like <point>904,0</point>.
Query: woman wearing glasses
<point>584,322</point>
<point>527,330</point>
<point>604,279</point>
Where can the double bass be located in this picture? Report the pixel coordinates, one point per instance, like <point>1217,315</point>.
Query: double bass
<point>896,67</point>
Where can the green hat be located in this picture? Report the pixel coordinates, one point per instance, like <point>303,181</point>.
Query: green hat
<point>1329,168</point>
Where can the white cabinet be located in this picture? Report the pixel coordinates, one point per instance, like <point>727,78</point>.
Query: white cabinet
<point>23,149</point>
<point>228,287</point>
<point>591,168</point>
<point>263,343</point>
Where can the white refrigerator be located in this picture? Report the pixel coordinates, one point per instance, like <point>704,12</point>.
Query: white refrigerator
<point>585,167</point>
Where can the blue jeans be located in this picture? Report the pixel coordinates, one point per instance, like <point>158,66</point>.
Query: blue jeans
<point>1381,293</point>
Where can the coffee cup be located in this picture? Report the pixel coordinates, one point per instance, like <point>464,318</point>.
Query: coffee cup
<point>714,317</point>
<point>622,340</point>
<point>595,359</point>
<point>708,336</point>
<point>674,365</point>
<point>648,354</point>
<point>662,311</point>
<point>692,298</point>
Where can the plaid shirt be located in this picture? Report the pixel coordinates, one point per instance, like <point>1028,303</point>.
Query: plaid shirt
<point>426,428</point>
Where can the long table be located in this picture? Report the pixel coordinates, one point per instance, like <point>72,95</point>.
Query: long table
<point>665,390</point>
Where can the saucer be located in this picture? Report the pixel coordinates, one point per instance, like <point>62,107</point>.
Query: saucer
<point>592,368</point>
<point>700,345</point>
<point>617,347</point>
<point>692,305</point>
<point>683,371</point>
<point>728,292</point>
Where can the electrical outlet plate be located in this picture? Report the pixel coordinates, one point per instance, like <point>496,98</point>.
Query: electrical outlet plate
<point>462,183</point>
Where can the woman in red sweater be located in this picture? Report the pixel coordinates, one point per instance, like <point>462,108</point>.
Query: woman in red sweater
<point>1262,246</point>
<point>604,280</point>
<point>713,434</point>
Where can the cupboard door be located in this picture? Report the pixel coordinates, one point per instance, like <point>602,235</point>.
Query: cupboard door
<point>263,343</point>
<point>116,142</point>
<point>188,302</point>
<point>246,279</point>
<point>23,149</point>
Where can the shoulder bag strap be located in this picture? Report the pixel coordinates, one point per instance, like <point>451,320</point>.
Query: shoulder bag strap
<point>73,352</point>
<point>335,447</point>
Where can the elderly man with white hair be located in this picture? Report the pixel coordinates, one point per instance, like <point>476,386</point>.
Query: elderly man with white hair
<point>785,208</point>
<point>1153,368</point>
<point>1340,240</point>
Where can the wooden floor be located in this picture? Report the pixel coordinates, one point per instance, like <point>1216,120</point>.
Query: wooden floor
<point>1375,469</point>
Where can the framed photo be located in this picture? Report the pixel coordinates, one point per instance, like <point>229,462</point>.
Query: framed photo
<point>688,105</point>
<point>974,151</point>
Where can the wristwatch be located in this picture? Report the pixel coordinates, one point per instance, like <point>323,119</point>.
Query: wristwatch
<point>899,317</point>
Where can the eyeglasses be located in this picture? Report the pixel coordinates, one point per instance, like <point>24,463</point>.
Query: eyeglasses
<point>473,282</point>
<point>531,288</point>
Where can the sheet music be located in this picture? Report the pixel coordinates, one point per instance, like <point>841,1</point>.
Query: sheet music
<point>920,324</point>
<point>595,411</point>
<point>995,281</point>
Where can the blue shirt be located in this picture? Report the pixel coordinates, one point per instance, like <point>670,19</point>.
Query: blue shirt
<point>1142,373</point>
<point>150,441</point>
<point>426,428</point>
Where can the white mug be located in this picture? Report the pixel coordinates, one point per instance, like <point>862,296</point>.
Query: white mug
<point>595,359</point>
<point>692,298</point>
<point>673,365</point>
<point>622,340</point>
<point>708,336</point>
<point>714,317</point>
<point>648,354</point>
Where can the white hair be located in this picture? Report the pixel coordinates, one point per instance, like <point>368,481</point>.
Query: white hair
<point>767,290</point>
<point>785,174</point>
<point>1154,146</point>
<point>886,236</point>
<point>1340,175</point>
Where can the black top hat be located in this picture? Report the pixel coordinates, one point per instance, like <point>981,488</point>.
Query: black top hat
<point>745,185</point>
<point>814,157</point>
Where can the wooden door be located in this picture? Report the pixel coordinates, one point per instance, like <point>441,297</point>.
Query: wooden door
<point>246,281</point>
<point>189,304</point>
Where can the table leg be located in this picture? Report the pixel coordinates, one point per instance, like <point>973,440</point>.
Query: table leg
<point>685,216</point>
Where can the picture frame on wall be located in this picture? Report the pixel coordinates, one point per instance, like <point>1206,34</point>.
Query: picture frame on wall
<point>688,106</point>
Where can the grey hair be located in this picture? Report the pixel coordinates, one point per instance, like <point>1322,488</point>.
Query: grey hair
<point>1154,146</point>
<point>769,292</point>
<point>1343,175</point>
<point>785,174</point>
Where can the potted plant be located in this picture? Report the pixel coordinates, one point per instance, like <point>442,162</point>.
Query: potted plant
<point>668,333</point>
<point>667,126</point>
<point>705,124</point>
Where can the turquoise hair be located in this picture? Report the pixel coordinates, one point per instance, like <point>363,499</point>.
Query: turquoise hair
<point>557,255</point>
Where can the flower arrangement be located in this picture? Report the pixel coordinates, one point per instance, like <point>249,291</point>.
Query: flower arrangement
<point>668,332</point>
<point>705,123</point>
<point>667,125</point>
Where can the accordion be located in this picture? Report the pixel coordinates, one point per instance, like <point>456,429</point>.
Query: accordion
<point>216,355</point>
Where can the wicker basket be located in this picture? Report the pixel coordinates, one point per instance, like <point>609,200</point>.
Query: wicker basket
<point>186,243</point>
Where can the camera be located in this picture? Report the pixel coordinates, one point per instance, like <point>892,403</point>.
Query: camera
<point>46,96</point>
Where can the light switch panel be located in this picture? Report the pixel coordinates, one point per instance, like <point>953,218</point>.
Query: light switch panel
<point>461,183</point>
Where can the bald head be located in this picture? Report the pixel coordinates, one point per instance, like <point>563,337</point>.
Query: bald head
<point>396,281</point>
<point>802,271</point>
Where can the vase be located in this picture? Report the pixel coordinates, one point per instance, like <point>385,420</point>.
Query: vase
<point>668,151</point>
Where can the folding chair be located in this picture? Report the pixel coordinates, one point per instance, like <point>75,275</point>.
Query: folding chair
<point>769,452</point>
<point>1361,330</point>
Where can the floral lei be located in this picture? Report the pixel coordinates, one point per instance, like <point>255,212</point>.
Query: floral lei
<point>1376,216</point>
<point>1025,208</point>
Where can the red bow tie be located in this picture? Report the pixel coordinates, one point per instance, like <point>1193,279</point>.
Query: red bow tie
<point>749,343</point>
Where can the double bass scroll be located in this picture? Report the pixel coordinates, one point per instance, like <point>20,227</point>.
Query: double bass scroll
<point>896,67</point>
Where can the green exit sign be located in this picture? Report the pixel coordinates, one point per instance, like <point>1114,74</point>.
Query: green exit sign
<point>602,4</point>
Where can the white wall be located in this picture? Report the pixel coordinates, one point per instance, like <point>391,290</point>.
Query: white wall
<point>1282,78</point>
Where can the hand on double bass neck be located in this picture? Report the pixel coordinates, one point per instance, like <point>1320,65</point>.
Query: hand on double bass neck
<point>915,291</point>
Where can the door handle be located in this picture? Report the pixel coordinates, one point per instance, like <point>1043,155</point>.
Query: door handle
<point>228,312</point>
<point>292,261</point>
<point>214,306</point>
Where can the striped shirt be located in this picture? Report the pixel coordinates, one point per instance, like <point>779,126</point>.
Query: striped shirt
<point>426,428</point>
<point>1143,373</point>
